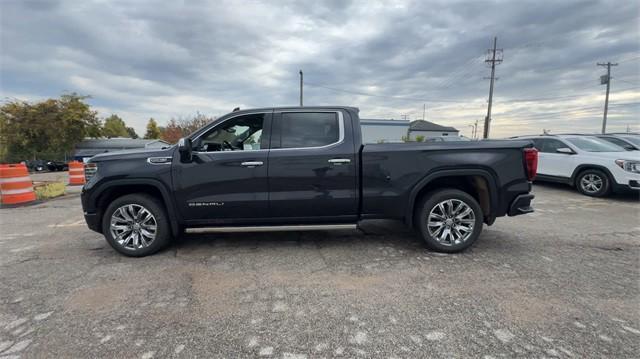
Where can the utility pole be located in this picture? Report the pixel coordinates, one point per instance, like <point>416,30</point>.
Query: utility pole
<point>424,111</point>
<point>606,79</point>
<point>404,117</point>
<point>301,77</point>
<point>493,60</point>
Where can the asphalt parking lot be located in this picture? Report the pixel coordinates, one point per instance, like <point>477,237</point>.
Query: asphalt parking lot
<point>562,282</point>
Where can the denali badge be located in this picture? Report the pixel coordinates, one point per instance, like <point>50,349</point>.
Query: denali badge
<point>205,204</point>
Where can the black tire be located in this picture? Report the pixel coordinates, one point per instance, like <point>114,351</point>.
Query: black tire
<point>429,203</point>
<point>594,177</point>
<point>152,205</point>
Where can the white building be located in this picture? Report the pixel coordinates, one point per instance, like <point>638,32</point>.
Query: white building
<point>376,131</point>
<point>430,129</point>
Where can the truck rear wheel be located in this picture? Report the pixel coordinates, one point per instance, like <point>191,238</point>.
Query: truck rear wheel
<point>449,220</point>
<point>136,225</point>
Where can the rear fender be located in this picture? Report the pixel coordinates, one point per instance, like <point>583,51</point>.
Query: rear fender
<point>422,184</point>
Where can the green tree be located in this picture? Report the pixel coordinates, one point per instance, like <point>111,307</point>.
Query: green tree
<point>132,133</point>
<point>47,129</point>
<point>153,132</point>
<point>114,126</point>
<point>420,138</point>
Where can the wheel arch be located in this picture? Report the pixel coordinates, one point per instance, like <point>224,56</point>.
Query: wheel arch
<point>479,183</point>
<point>118,188</point>
<point>581,168</point>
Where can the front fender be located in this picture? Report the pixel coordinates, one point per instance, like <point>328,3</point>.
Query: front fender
<point>93,196</point>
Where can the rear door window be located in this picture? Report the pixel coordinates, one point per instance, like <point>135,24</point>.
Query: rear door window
<point>309,129</point>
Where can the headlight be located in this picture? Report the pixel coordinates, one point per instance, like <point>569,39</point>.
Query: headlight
<point>629,166</point>
<point>89,170</point>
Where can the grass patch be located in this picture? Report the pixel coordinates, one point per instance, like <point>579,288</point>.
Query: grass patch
<point>49,190</point>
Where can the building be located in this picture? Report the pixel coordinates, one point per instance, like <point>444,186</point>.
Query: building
<point>376,131</point>
<point>90,147</point>
<point>430,129</point>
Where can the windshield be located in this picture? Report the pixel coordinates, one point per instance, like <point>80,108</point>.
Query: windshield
<point>593,144</point>
<point>633,139</point>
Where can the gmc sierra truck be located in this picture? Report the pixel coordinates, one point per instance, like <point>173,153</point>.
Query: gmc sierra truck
<point>303,168</point>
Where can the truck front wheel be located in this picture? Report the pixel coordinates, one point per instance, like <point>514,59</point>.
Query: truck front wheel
<point>449,220</point>
<point>136,225</point>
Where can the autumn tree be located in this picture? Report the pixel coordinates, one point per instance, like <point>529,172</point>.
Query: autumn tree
<point>153,132</point>
<point>114,126</point>
<point>182,127</point>
<point>46,129</point>
<point>172,132</point>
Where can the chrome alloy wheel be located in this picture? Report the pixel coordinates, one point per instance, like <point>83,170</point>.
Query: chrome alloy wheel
<point>591,183</point>
<point>133,226</point>
<point>451,222</point>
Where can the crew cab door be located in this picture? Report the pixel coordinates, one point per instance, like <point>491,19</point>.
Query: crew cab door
<point>227,178</point>
<point>312,166</point>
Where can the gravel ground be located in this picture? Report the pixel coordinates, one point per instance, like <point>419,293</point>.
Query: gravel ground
<point>562,282</point>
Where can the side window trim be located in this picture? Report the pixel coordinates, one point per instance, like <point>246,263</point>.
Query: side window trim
<point>276,138</point>
<point>266,130</point>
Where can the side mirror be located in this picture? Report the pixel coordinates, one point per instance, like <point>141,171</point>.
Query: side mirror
<point>185,149</point>
<point>565,150</point>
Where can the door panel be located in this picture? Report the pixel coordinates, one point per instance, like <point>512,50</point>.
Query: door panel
<point>221,185</point>
<point>552,163</point>
<point>318,180</point>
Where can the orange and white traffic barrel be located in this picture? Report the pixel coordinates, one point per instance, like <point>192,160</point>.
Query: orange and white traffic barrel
<point>76,173</point>
<point>15,185</point>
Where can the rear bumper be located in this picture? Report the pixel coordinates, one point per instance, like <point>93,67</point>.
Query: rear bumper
<point>93,221</point>
<point>521,205</point>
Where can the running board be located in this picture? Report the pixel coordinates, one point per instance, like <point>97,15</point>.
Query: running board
<point>302,227</point>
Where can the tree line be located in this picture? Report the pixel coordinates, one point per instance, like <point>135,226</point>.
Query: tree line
<point>50,129</point>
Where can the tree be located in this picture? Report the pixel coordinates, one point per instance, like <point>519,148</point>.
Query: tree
<point>132,133</point>
<point>47,129</point>
<point>153,132</point>
<point>420,138</point>
<point>172,132</point>
<point>182,127</point>
<point>189,126</point>
<point>114,126</point>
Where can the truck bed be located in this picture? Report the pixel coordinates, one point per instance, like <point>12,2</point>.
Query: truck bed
<point>391,170</point>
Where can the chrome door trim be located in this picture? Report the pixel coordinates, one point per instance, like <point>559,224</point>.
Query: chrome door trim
<point>339,161</point>
<point>252,164</point>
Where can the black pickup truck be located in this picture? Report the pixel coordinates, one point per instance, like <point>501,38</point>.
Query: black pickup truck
<point>303,168</point>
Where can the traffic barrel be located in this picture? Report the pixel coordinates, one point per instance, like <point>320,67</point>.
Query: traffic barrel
<point>16,187</point>
<point>76,173</point>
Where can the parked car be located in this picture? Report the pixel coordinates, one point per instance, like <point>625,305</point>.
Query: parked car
<point>303,169</point>
<point>36,165</point>
<point>446,139</point>
<point>57,166</point>
<point>629,142</point>
<point>592,165</point>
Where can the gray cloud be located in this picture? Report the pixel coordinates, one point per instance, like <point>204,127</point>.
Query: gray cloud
<point>164,59</point>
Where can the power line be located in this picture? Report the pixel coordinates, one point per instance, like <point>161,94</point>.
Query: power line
<point>629,59</point>
<point>381,96</point>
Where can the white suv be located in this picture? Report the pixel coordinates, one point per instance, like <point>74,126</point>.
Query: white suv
<point>594,166</point>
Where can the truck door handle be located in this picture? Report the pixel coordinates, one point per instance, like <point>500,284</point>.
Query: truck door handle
<point>251,164</point>
<point>339,161</point>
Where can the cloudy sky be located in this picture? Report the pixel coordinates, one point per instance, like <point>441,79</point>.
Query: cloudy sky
<point>164,59</point>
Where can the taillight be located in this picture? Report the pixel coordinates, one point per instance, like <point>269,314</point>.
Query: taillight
<point>531,159</point>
